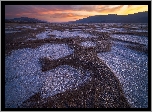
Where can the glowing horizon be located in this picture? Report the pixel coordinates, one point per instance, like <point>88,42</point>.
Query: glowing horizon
<point>65,13</point>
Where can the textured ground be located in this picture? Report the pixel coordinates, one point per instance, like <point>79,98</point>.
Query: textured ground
<point>76,65</point>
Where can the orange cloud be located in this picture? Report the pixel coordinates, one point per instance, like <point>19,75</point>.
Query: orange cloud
<point>69,12</point>
<point>136,8</point>
<point>109,10</point>
<point>66,15</point>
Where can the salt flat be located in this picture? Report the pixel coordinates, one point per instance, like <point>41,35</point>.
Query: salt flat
<point>23,71</point>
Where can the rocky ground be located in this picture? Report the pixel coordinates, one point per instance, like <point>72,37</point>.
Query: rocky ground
<point>102,88</point>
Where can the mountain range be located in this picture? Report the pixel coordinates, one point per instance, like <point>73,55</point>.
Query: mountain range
<point>24,20</point>
<point>141,17</point>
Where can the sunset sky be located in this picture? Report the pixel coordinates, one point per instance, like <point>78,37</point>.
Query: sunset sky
<point>65,13</point>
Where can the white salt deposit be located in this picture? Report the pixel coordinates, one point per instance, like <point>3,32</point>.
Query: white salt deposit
<point>23,75</point>
<point>64,34</point>
<point>38,26</point>
<point>27,27</point>
<point>23,27</point>
<point>88,44</point>
<point>63,78</point>
<point>136,27</point>
<point>139,30</point>
<point>42,35</point>
<point>131,38</point>
<point>116,29</point>
<point>102,30</point>
<point>131,68</point>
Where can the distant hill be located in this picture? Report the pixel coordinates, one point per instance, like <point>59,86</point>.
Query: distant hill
<point>141,17</point>
<point>24,20</point>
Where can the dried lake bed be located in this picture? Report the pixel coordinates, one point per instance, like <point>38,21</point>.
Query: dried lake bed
<point>97,63</point>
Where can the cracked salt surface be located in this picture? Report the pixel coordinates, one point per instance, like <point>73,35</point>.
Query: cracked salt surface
<point>64,34</point>
<point>23,27</point>
<point>23,75</point>
<point>62,78</point>
<point>28,27</point>
<point>102,30</point>
<point>131,38</point>
<point>111,29</point>
<point>116,29</point>
<point>131,68</point>
<point>139,30</point>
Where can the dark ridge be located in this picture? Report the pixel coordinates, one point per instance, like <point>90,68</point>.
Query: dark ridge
<point>141,17</point>
<point>24,20</point>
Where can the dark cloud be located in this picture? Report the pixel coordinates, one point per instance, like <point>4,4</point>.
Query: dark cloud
<point>14,9</point>
<point>17,10</point>
<point>35,8</point>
